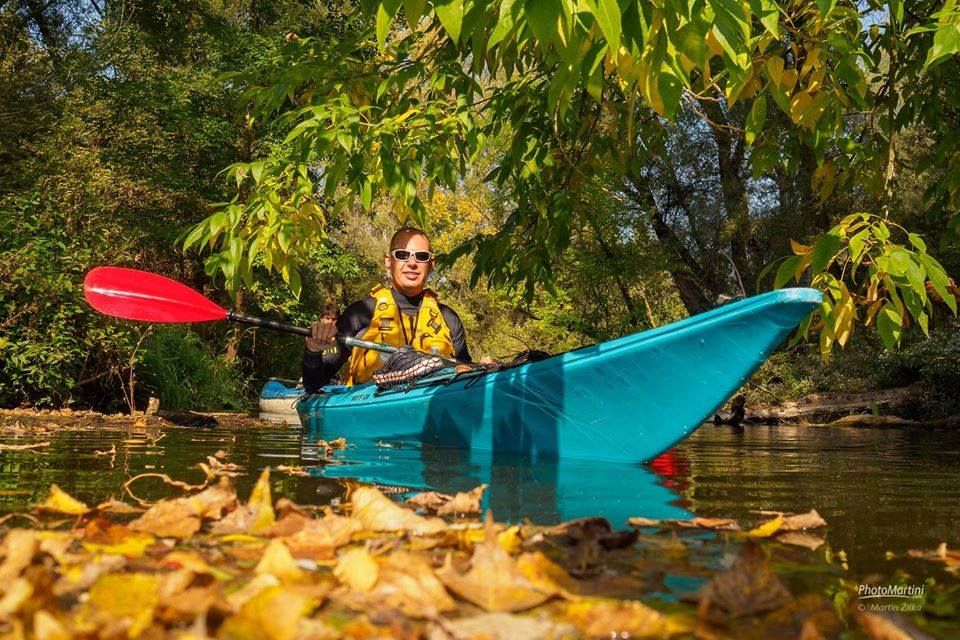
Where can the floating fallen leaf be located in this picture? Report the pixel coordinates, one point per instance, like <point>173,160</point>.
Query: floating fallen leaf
<point>949,557</point>
<point>182,517</point>
<point>77,577</point>
<point>357,569</point>
<point>274,613</point>
<point>319,539</point>
<point>59,501</point>
<point>766,529</point>
<point>23,447</point>
<point>19,546</point>
<point>801,539</point>
<point>880,627</point>
<point>432,500</point>
<point>445,504</point>
<point>545,574</point>
<point>629,619</point>
<point>47,627</point>
<point>116,539</point>
<point>379,513</point>
<point>408,583</point>
<point>118,507</point>
<point>493,581</point>
<point>463,502</point>
<point>501,626</point>
<point>278,562</point>
<point>123,602</point>
<point>15,595</point>
<point>749,586</point>
<point>292,470</point>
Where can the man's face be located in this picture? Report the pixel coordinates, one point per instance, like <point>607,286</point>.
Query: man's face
<point>409,276</point>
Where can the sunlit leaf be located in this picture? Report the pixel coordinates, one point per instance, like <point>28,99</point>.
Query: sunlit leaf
<point>59,501</point>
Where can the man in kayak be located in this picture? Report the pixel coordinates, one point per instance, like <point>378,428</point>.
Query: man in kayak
<point>407,313</point>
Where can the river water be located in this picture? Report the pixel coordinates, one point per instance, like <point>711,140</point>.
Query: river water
<point>882,491</point>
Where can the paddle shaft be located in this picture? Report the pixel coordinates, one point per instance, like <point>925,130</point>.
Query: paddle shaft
<point>351,342</point>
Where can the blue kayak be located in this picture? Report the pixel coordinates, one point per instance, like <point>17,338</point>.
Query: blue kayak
<point>624,400</point>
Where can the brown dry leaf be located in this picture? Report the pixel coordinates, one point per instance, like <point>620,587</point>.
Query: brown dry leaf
<point>59,501</point>
<point>255,517</point>
<point>319,539</point>
<point>493,582</point>
<point>407,582</point>
<point>47,627</point>
<point>240,597</point>
<point>288,525</point>
<point>749,586</point>
<point>278,562</point>
<point>105,537</point>
<point>637,521</point>
<point>501,626</point>
<point>15,594</point>
<point>464,502</point>
<point>293,470</point>
<point>179,600</point>
<point>123,601</point>
<point>23,447</point>
<point>117,507</point>
<point>357,569</point>
<point>721,524</point>
<point>628,619</point>
<point>801,539</point>
<point>377,512</point>
<point>940,554</point>
<point>809,520</point>
<point>432,500</point>
<point>182,517</point>
<point>78,577</point>
<point>274,613</point>
<point>339,443</point>
<point>881,627</point>
<point>546,574</point>
<point>19,546</point>
<point>766,529</point>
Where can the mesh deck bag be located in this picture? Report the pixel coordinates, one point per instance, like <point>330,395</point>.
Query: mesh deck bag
<point>406,365</point>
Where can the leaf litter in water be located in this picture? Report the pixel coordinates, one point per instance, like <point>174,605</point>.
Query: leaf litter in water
<point>204,564</point>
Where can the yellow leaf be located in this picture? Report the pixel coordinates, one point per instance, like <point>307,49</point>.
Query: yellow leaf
<point>47,627</point>
<point>766,529</point>
<point>274,613</point>
<point>631,618</point>
<point>510,539</point>
<point>19,546</point>
<point>357,569</point>
<point>59,501</point>
<point>261,504</point>
<point>15,595</point>
<point>126,598</point>
<point>799,249</point>
<point>493,581</point>
<point>377,512</point>
<point>278,562</point>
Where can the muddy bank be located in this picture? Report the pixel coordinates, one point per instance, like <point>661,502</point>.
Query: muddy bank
<point>41,420</point>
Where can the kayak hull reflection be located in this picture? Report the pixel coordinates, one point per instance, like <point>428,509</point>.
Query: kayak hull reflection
<point>624,400</point>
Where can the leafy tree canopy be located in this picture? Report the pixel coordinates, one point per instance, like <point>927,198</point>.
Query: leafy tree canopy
<point>407,96</point>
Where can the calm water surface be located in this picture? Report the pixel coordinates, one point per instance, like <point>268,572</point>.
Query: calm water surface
<point>880,490</point>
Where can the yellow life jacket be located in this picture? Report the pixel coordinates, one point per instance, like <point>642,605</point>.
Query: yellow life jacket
<point>427,333</point>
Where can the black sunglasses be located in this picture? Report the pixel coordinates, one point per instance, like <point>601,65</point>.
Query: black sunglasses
<point>403,255</point>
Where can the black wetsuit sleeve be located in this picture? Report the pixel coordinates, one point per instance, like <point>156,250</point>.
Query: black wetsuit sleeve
<point>457,334</point>
<point>318,368</point>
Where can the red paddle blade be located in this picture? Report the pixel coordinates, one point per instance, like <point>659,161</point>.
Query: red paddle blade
<point>140,295</point>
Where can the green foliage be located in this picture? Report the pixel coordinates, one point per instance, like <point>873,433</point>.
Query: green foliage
<point>53,347</point>
<point>891,280</point>
<point>179,368</point>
